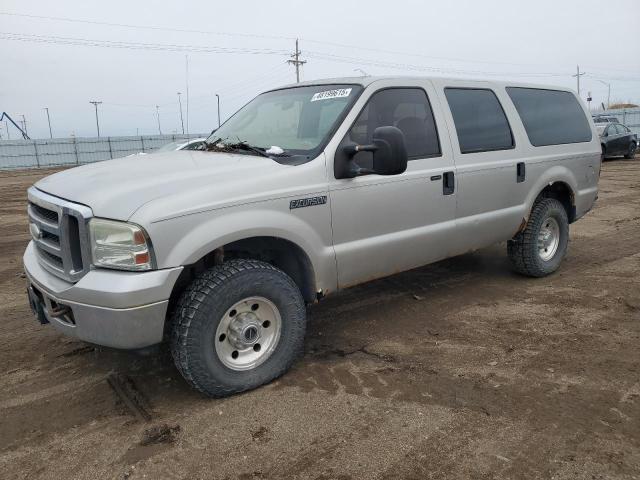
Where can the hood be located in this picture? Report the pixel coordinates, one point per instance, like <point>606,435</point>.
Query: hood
<point>117,188</point>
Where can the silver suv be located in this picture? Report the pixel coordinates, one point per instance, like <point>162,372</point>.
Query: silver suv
<point>307,190</point>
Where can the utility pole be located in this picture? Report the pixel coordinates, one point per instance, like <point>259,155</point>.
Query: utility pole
<point>218,97</point>
<point>296,61</point>
<point>95,104</point>
<point>578,75</point>
<point>608,92</point>
<point>49,122</point>
<point>6,127</point>
<point>24,125</point>
<point>181,119</point>
<point>186,76</point>
<point>158,113</point>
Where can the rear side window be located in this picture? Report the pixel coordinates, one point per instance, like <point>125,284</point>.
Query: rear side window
<point>550,117</point>
<point>481,123</point>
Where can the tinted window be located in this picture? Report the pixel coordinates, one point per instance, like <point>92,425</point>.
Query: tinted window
<point>550,117</point>
<point>405,108</point>
<point>480,122</point>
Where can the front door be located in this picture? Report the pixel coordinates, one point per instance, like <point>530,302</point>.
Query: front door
<point>387,224</point>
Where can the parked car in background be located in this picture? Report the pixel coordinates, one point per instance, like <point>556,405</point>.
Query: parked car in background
<point>192,144</point>
<point>617,139</point>
<point>605,119</point>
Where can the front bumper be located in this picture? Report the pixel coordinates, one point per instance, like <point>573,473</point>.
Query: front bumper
<point>106,307</point>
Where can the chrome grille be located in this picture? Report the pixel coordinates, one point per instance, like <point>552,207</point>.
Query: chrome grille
<point>59,230</point>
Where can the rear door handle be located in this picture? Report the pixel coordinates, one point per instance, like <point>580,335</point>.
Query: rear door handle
<point>448,183</point>
<point>521,172</point>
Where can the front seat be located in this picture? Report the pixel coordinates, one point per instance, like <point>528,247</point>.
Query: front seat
<point>414,133</point>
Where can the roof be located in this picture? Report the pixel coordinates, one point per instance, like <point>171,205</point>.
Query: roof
<point>368,80</point>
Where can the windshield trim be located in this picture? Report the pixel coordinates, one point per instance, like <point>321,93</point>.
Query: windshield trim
<point>300,158</point>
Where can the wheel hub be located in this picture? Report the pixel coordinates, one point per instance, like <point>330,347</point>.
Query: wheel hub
<point>548,239</point>
<point>245,330</point>
<point>248,333</point>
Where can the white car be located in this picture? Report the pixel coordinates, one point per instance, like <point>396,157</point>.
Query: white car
<point>192,144</point>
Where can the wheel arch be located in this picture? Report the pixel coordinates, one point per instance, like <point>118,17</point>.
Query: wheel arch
<point>559,183</point>
<point>562,192</point>
<point>277,251</point>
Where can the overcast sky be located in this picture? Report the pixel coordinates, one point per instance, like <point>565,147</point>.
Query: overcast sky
<point>243,47</point>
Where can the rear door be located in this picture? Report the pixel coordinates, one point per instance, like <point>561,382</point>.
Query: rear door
<point>492,190</point>
<point>387,224</point>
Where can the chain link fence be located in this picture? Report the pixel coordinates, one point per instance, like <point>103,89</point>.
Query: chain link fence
<point>627,116</point>
<point>58,152</point>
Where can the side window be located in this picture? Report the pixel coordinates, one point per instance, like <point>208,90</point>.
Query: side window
<point>405,108</point>
<point>480,121</point>
<point>550,117</point>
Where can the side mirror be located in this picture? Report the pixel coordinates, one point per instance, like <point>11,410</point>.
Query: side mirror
<point>389,154</point>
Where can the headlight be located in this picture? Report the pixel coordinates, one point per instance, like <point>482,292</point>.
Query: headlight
<point>119,245</point>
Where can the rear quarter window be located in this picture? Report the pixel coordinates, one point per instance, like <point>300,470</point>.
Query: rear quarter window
<point>550,117</point>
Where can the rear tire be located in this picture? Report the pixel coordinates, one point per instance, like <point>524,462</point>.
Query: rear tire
<point>538,250</point>
<point>632,150</point>
<point>238,325</point>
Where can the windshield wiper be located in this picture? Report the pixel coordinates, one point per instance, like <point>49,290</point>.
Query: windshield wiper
<point>221,146</point>
<point>242,145</point>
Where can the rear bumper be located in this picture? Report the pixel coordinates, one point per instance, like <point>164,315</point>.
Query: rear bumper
<point>106,307</point>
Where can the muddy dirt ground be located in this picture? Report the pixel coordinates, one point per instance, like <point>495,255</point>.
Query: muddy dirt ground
<point>461,369</point>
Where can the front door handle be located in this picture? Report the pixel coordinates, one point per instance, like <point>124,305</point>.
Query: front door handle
<point>521,172</point>
<point>448,183</point>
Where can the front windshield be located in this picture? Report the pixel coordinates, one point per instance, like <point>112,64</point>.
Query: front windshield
<point>297,120</point>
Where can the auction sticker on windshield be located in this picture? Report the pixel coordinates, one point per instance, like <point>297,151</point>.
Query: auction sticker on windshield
<point>327,94</point>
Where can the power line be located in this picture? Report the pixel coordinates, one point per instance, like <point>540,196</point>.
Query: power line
<point>51,39</point>
<point>147,27</point>
<point>280,37</point>
<point>58,40</point>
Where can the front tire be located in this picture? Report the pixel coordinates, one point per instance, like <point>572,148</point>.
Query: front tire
<point>238,325</point>
<point>538,250</point>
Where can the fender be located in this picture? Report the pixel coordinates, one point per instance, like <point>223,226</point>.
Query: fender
<point>208,231</point>
<point>555,174</point>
